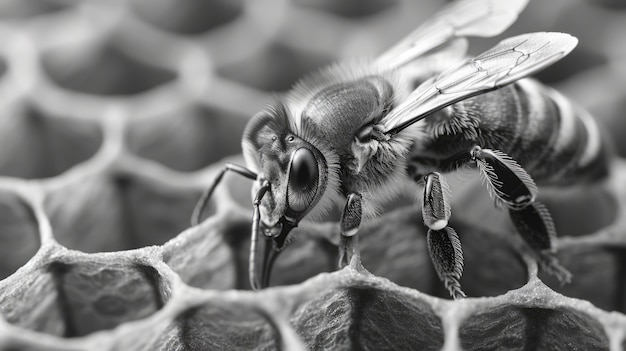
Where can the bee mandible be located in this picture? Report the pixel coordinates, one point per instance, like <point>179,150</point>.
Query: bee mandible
<point>354,130</point>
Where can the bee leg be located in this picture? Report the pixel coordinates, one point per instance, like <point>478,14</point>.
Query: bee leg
<point>206,195</point>
<point>508,183</point>
<point>443,242</point>
<point>349,225</point>
<point>535,226</point>
<point>255,284</point>
<point>512,187</point>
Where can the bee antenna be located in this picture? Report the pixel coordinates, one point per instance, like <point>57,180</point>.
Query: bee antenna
<point>206,195</point>
<point>256,218</point>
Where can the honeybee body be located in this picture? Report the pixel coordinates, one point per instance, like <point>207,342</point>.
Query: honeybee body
<point>354,131</point>
<point>555,141</point>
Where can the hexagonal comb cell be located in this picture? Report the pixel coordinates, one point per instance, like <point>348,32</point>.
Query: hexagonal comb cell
<point>72,298</point>
<point>154,211</point>
<point>37,144</point>
<point>187,139</point>
<point>189,17</point>
<point>349,8</point>
<point>102,69</point>
<point>118,212</point>
<point>275,68</point>
<point>214,325</point>
<point>19,234</point>
<point>225,326</point>
<point>203,259</point>
<point>532,328</point>
<point>16,9</point>
<point>592,267</point>
<point>367,318</point>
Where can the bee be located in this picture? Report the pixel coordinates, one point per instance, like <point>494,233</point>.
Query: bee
<point>352,131</point>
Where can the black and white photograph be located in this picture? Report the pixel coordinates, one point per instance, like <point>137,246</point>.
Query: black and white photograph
<point>296,175</point>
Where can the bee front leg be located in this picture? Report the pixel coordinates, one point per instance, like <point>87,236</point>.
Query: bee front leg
<point>443,242</point>
<point>349,225</point>
<point>206,195</point>
<point>512,187</point>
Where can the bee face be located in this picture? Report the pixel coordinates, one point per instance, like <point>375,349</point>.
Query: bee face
<point>295,169</point>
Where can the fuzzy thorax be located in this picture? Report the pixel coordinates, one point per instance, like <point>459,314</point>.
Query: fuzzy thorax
<point>377,169</point>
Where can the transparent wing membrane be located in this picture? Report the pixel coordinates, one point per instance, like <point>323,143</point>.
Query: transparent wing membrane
<point>508,61</point>
<point>463,18</point>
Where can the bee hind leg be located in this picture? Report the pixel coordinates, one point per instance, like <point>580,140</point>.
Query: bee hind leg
<point>535,226</point>
<point>444,245</point>
<point>349,225</point>
<point>512,187</point>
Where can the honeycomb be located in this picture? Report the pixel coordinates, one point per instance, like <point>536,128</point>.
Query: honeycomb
<point>115,116</point>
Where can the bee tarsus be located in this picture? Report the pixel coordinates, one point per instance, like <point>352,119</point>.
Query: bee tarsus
<point>445,251</point>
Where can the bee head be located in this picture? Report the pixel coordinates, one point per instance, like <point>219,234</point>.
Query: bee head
<point>292,177</point>
<point>296,170</point>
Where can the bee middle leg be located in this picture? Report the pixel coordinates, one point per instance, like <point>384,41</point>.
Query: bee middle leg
<point>443,242</point>
<point>349,225</point>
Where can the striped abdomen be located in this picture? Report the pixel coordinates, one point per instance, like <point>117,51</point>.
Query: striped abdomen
<point>554,140</point>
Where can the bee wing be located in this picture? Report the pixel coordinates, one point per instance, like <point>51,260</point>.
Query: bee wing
<point>483,18</point>
<point>508,61</point>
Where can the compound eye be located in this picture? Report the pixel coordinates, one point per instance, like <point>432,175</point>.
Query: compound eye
<point>303,180</point>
